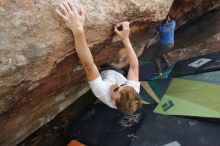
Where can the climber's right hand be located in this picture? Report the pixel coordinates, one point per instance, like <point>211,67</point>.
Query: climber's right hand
<point>73,20</point>
<point>124,33</point>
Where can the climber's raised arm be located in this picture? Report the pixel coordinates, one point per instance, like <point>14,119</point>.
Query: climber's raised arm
<point>110,86</point>
<point>75,22</point>
<point>133,73</point>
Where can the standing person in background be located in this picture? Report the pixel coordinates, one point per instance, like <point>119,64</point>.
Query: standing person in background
<point>110,86</point>
<point>166,32</point>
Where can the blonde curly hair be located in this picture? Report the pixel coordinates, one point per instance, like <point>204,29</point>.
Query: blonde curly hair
<point>129,100</point>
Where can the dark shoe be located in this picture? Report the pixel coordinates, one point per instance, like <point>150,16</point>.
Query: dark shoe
<point>160,74</point>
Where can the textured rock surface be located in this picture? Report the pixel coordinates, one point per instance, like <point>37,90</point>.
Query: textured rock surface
<point>185,10</point>
<point>40,73</point>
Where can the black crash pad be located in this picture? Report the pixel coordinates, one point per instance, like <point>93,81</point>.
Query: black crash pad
<point>158,130</point>
<point>183,68</point>
<point>103,126</point>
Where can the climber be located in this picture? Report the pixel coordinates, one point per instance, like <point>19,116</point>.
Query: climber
<point>110,86</point>
<point>166,32</point>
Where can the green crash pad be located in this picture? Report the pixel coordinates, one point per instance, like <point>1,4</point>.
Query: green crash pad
<point>194,95</point>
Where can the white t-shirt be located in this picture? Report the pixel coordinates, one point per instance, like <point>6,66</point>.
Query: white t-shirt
<point>101,85</point>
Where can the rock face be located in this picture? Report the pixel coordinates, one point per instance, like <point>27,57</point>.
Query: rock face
<point>185,10</point>
<point>40,73</point>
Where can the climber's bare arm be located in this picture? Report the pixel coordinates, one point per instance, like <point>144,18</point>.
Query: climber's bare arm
<point>75,22</point>
<point>132,58</point>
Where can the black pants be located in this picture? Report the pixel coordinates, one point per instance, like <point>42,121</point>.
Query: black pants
<point>160,54</point>
<point>110,67</point>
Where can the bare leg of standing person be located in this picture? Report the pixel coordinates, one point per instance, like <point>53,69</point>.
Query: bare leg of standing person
<point>157,65</point>
<point>165,59</point>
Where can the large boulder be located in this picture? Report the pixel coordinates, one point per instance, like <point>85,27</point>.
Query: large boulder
<point>40,73</point>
